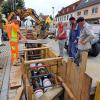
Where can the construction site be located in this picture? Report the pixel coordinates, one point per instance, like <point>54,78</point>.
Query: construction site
<point>31,67</point>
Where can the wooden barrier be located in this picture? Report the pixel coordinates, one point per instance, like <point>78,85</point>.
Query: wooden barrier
<point>32,49</point>
<point>27,88</point>
<point>74,79</point>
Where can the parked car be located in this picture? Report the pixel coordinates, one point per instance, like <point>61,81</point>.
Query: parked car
<point>94,51</point>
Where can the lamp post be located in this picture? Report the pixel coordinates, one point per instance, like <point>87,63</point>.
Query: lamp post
<point>53,16</point>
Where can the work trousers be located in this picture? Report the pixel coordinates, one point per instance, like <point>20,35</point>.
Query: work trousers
<point>61,47</point>
<point>14,51</point>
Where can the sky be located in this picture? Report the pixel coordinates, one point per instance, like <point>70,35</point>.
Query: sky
<point>45,6</point>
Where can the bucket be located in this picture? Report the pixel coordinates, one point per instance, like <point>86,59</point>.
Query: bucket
<point>47,83</point>
<point>38,93</point>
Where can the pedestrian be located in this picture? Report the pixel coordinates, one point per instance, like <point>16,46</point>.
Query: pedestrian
<point>85,38</point>
<point>14,39</point>
<point>73,37</point>
<point>61,37</point>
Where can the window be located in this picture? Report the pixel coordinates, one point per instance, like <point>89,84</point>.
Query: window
<point>67,9</point>
<point>78,13</point>
<point>67,17</point>
<point>63,11</point>
<point>64,18</point>
<point>71,15</point>
<point>60,18</point>
<point>73,7</point>
<point>57,19</point>
<point>94,10</point>
<point>86,12</point>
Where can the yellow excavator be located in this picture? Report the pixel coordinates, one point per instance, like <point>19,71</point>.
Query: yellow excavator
<point>23,13</point>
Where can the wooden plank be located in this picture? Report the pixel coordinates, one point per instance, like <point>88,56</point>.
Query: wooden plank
<point>33,49</point>
<point>51,94</point>
<point>42,60</point>
<point>69,92</point>
<point>82,73</point>
<point>69,69</point>
<point>86,87</point>
<point>64,69</point>
<point>26,56</point>
<point>39,41</point>
<point>15,77</point>
<point>19,93</point>
<point>30,91</point>
<point>97,93</point>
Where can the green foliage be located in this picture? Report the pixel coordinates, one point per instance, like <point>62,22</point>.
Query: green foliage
<point>7,6</point>
<point>51,17</point>
<point>20,4</point>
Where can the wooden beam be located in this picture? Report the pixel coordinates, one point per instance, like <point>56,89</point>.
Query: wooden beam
<point>42,60</point>
<point>19,93</point>
<point>30,91</point>
<point>25,55</point>
<point>52,94</point>
<point>38,41</point>
<point>33,49</point>
<point>15,77</point>
<point>69,92</point>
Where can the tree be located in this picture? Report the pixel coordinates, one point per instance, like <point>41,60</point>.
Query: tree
<point>19,4</point>
<point>7,6</point>
<point>51,17</point>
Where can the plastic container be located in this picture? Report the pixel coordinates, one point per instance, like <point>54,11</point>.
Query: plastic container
<point>38,93</point>
<point>47,83</point>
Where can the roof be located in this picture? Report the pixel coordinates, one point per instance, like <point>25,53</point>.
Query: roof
<point>69,9</point>
<point>86,3</point>
<point>44,17</point>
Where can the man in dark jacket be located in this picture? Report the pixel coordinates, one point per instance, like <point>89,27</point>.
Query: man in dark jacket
<point>73,37</point>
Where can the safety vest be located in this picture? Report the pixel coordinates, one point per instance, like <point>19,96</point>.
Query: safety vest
<point>14,36</point>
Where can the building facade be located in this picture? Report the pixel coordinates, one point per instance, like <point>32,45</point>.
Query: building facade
<point>65,13</point>
<point>90,10</point>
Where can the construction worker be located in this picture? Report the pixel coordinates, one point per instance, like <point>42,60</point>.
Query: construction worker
<point>14,34</point>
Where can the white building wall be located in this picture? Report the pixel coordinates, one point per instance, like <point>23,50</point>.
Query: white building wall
<point>65,18</point>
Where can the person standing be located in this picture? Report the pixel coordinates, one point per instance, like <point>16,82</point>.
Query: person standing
<point>73,37</point>
<point>85,38</point>
<point>61,37</point>
<point>14,38</point>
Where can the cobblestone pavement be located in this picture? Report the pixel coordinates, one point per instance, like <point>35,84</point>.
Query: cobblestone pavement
<point>4,67</point>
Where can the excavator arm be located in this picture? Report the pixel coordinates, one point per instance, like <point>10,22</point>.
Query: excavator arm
<point>24,13</point>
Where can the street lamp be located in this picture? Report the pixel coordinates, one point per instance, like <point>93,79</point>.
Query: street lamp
<point>53,16</point>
